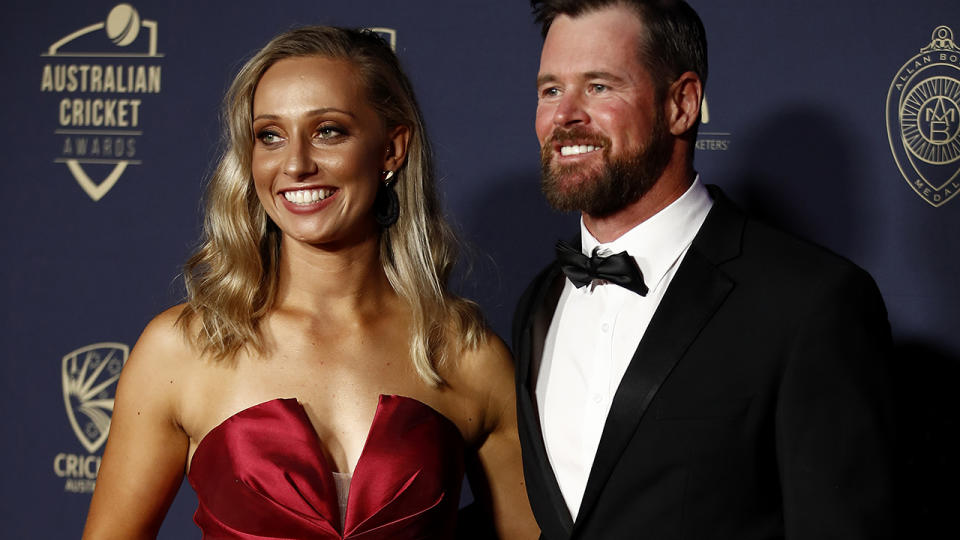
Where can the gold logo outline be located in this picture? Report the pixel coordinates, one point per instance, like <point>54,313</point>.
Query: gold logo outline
<point>904,82</point>
<point>390,33</point>
<point>122,25</point>
<point>84,382</point>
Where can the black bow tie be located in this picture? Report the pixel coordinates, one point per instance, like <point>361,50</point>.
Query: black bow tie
<point>619,269</point>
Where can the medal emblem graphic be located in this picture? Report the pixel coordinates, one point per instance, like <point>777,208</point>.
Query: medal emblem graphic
<point>89,384</point>
<point>923,119</point>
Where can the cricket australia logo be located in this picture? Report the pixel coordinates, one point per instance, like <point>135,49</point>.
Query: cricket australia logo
<point>923,119</point>
<point>101,74</point>
<point>89,383</point>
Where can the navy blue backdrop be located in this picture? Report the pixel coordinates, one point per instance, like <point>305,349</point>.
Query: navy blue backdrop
<point>837,120</point>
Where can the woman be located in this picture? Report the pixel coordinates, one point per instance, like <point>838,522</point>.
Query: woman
<point>321,382</point>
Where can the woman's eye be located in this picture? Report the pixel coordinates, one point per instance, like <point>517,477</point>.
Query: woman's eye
<point>328,132</point>
<point>268,137</point>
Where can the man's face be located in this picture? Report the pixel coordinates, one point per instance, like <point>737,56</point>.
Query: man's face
<point>603,138</point>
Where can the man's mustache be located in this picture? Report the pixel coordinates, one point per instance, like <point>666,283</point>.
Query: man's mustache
<point>578,135</point>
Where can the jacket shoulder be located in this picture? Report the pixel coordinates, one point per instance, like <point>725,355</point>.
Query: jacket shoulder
<point>527,304</point>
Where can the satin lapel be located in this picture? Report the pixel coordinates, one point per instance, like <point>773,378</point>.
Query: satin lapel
<point>696,292</point>
<point>529,352</point>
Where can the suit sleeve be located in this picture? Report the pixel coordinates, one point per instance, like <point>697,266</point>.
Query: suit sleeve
<point>520,317</point>
<point>526,306</point>
<point>833,419</point>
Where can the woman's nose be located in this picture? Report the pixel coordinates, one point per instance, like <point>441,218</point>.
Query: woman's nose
<point>299,161</point>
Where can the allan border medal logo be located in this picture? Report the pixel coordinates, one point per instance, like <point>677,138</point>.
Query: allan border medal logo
<point>923,119</point>
<point>89,378</point>
<point>100,75</point>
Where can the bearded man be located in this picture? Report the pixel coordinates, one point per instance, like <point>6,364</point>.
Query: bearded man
<point>684,371</point>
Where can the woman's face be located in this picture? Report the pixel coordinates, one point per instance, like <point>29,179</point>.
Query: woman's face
<point>318,150</point>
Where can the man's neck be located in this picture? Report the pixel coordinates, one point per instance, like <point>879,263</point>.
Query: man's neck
<point>668,188</point>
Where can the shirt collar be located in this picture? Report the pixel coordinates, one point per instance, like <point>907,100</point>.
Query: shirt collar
<point>658,242</point>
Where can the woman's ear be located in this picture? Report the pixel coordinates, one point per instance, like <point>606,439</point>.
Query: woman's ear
<point>398,138</point>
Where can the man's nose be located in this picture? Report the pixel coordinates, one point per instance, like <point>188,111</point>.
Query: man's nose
<point>570,110</point>
<point>299,161</point>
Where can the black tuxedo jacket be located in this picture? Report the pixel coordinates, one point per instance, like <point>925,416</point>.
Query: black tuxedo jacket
<point>755,406</point>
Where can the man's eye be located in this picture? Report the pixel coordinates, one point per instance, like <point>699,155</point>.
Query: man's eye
<point>599,88</point>
<point>551,91</point>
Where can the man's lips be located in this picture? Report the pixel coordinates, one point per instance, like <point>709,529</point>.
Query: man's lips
<point>576,142</point>
<point>578,149</point>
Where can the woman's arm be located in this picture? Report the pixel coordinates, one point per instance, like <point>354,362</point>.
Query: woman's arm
<point>499,454</point>
<point>144,459</point>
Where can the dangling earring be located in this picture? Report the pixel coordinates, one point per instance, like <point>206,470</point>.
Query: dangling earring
<point>386,207</point>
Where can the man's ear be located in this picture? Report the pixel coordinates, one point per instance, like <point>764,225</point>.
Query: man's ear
<point>398,139</point>
<point>684,98</point>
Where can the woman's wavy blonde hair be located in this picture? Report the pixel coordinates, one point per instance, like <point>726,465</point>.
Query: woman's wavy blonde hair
<point>231,279</point>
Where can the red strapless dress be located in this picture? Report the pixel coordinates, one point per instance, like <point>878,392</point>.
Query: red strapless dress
<point>262,474</point>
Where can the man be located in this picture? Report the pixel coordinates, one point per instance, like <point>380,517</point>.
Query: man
<point>718,380</point>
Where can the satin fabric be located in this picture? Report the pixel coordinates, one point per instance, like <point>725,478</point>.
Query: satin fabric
<point>262,474</point>
<point>618,268</point>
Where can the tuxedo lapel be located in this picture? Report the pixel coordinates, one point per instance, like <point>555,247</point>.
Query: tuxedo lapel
<point>529,350</point>
<point>696,292</point>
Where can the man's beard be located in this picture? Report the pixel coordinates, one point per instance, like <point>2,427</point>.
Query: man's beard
<point>620,182</point>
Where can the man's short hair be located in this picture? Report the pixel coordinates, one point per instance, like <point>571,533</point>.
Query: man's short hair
<point>676,40</point>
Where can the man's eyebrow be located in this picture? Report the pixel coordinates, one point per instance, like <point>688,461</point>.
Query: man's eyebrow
<point>546,78</point>
<point>604,75</point>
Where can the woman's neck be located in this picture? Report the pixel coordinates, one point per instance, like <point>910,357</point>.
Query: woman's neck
<point>318,280</point>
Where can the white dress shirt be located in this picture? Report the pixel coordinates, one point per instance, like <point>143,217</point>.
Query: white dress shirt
<point>595,331</point>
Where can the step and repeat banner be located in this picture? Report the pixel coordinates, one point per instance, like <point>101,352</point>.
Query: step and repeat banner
<point>839,121</point>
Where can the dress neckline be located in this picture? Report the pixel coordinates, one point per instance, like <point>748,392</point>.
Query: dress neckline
<point>268,456</point>
<point>381,398</point>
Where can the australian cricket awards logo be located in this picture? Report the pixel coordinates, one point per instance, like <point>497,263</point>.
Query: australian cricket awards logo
<point>923,119</point>
<point>89,377</point>
<point>101,74</point>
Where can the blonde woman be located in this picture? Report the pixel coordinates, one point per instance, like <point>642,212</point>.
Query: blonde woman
<point>321,382</point>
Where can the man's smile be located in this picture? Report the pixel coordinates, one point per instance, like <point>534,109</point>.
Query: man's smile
<point>573,150</point>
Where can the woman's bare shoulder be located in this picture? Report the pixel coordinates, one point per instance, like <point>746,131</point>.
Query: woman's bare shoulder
<point>166,330</point>
<point>484,375</point>
<point>489,358</point>
<point>164,345</point>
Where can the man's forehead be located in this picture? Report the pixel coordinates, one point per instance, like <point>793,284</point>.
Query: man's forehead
<point>605,40</point>
<point>613,21</point>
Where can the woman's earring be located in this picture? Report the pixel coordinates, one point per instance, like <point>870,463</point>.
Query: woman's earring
<point>386,207</point>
